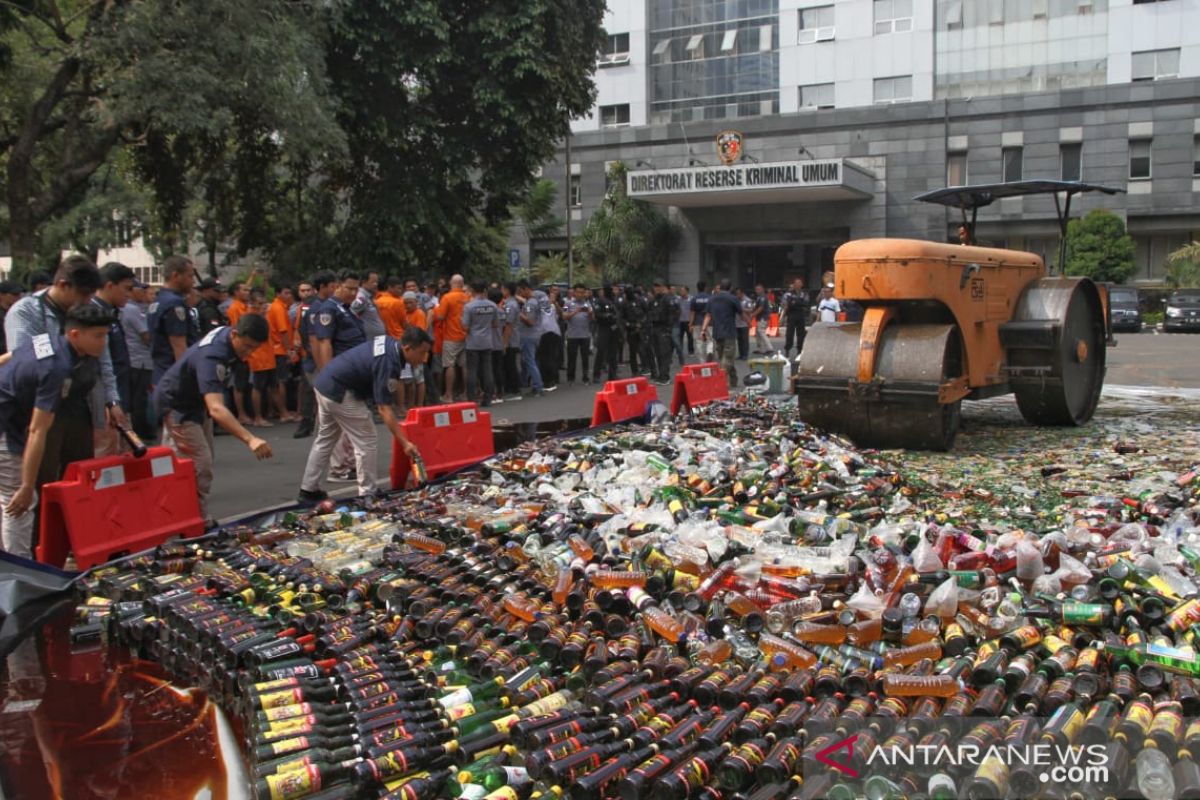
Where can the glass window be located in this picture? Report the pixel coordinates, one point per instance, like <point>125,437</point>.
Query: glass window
<point>1139,159</point>
<point>616,50</point>
<point>1196,156</point>
<point>816,24</point>
<point>614,116</point>
<point>818,95</point>
<point>956,169</point>
<point>893,90</point>
<point>893,16</point>
<point>729,42</point>
<point>576,197</point>
<point>1011,159</point>
<point>1152,65</point>
<point>1070,161</point>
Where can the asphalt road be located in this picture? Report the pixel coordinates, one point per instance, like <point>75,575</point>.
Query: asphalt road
<point>242,485</point>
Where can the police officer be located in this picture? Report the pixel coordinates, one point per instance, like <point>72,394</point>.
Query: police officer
<point>700,302</point>
<point>34,383</point>
<point>634,319</point>
<point>190,396</point>
<point>209,307</point>
<point>116,282</point>
<point>608,318</point>
<point>369,372</point>
<point>796,309</point>
<point>322,283</point>
<point>171,330</point>
<point>664,318</point>
<point>337,329</point>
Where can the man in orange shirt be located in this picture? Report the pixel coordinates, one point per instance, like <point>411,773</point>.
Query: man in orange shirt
<point>390,304</point>
<point>262,367</point>
<point>454,336</point>
<point>282,346</point>
<point>238,307</point>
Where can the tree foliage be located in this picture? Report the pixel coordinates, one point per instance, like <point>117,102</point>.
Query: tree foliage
<point>626,240</point>
<point>182,89</point>
<point>1183,267</point>
<point>1098,247</point>
<point>536,211</point>
<point>449,106</point>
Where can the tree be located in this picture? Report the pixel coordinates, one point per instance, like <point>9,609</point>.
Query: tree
<point>179,86</point>
<point>626,240</point>
<point>1183,267</point>
<point>1099,248</point>
<point>536,211</point>
<point>449,107</point>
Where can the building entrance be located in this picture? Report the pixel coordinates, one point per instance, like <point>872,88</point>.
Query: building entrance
<point>773,265</point>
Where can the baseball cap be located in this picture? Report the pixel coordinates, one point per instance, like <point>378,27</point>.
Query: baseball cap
<point>10,287</point>
<point>210,283</point>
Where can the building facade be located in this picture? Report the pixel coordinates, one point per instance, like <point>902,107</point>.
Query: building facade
<point>844,110</point>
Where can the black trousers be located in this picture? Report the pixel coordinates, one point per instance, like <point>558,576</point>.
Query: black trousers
<point>606,353</point>
<point>685,330</point>
<point>663,348</point>
<point>634,340</point>
<point>479,372</point>
<point>743,335</point>
<point>575,348</point>
<point>139,403</point>
<point>549,358</point>
<point>796,333</point>
<point>510,372</point>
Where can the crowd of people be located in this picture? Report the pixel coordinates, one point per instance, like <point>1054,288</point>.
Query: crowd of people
<point>95,359</point>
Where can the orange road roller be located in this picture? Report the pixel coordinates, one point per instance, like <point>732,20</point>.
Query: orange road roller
<point>945,323</point>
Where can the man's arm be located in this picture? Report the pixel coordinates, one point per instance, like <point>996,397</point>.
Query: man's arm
<point>322,352</point>
<point>21,324</point>
<point>31,462</point>
<point>215,402</point>
<point>392,423</point>
<point>178,345</point>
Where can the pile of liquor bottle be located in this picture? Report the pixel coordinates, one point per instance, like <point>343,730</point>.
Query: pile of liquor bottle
<point>731,606</point>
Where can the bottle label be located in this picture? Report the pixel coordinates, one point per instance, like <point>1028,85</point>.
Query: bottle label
<point>290,745</point>
<point>284,698</point>
<point>472,791</point>
<point>1140,714</point>
<point>503,793</point>
<point>547,705</point>
<point>458,698</point>
<point>1162,651</point>
<point>287,712</point>
<point>458,712</point>
<point>516,776</point>
<point>298,783</point>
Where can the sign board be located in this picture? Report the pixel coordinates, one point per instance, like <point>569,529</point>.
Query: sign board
<point>736,178</point>
<point>514,260</point>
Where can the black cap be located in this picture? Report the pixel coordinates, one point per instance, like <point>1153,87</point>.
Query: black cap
<point>210,283</point>
<point>10,287</point>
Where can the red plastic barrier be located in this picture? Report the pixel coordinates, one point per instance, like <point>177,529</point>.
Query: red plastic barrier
<point>622,400</point>
<point>698,384</point>
<point>449,437</point>
<point>105,507</point>
<point>773,324</point>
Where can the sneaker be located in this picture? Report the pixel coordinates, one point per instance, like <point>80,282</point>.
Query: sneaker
<point>663,382</point>
<point>347,476</point>
<point>536,393</point>
<point>512,398</point>
<point>498,401</point>
<point>311,495</point>
<point>302,432</point>
<point>587,382</point>
<point>553,388</point>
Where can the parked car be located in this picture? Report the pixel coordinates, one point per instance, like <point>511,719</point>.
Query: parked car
<point>1123,309</point>
<point>1183,311</point>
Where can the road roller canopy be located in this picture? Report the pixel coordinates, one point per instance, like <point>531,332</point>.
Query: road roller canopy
<point>972,197</point>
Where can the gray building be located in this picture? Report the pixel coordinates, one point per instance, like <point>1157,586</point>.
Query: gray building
<point>849,109</point>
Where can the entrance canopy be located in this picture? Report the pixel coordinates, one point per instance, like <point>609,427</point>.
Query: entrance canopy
<point>752,183</point>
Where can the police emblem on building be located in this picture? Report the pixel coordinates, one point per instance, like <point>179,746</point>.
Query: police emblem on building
<point>729,146</point>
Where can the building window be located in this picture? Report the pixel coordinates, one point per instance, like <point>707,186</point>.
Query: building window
<point>816,24</point>
<point>893,90</point>
<point>956,169</point>
<point>729,43</point>
<point>695,46</point>
<point>616,50</point>
<point>954,16</point>
<point>1155,65</point>
<point>1139,160</point>
<point>1070,161</point>
<point>893,16</point>
<point>1011,162</point>
<point>614,116</point>
<point>576,191</point>
<point>818,95</point>
<point>1196,156</point>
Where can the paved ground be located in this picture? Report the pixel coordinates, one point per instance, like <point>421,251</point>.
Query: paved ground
<point>243,485</point>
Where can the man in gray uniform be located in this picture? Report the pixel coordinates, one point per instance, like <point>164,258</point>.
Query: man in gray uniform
<point>481,321</point>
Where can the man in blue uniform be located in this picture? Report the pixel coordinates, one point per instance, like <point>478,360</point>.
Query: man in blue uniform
<point>337,329</point>
<point>370,372</point>
<point>321,289</point>
<point>171,328</point>
<point>191,396</point>
<point>116,283</point>
<point>33,384</point>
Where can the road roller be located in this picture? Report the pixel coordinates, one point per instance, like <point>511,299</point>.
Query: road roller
<point>944,323</point>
